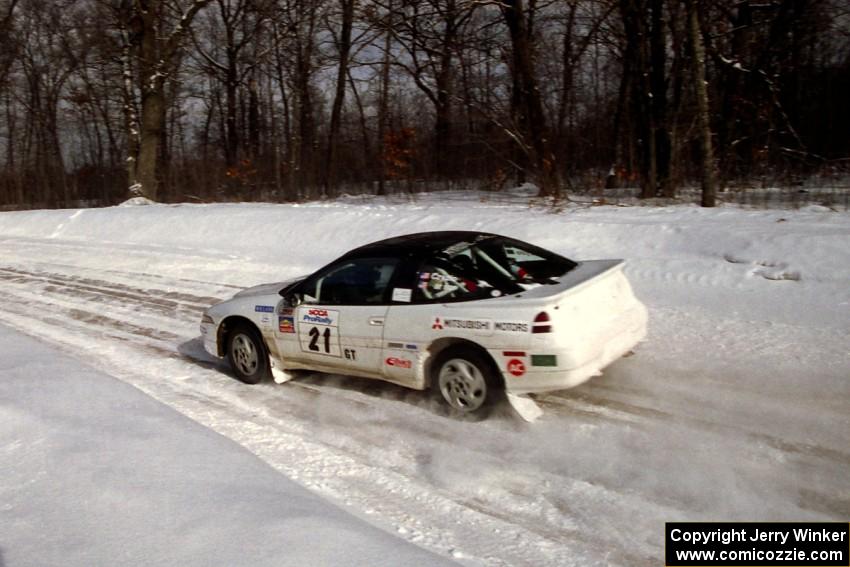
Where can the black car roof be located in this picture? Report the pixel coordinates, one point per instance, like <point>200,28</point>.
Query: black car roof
<point>419,242</point>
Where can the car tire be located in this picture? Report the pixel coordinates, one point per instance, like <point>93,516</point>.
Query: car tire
<point>467,382</point>
<point>247,355</point>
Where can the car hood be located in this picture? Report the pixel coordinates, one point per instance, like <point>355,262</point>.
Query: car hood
<point>267,288</point>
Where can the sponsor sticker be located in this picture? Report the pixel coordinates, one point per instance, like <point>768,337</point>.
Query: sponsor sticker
<point>467,324</point>
<point>266,319</point>
<point>264,309</point>
<point>286,324</point>
<point>516,367</point>
<point>402,294</point>
<point>411,347</point>
<point>319,316</point>
<point>286,310</point>
<point>398,362</point>
<point>437,325</point>
<point>510,327</point>
<point>544,360</point>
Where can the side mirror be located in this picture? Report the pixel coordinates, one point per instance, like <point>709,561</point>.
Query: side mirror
<point>291,300</point>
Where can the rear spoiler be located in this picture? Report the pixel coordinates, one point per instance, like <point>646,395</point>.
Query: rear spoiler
<point>575,278</point>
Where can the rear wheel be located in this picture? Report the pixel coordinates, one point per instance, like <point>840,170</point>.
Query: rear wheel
<point>247,354</point>
<point>467,381</point>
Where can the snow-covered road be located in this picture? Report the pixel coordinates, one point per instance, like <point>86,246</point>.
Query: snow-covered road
<point>736,408</point>
<point>94,472</point>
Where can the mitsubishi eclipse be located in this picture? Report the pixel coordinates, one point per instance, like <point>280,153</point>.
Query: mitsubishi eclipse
<point>469,314</point>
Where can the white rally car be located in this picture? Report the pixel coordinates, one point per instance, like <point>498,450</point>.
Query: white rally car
<point>470,314</point>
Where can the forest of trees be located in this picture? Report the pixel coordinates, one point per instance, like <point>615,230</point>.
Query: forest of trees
<point>285,100</point>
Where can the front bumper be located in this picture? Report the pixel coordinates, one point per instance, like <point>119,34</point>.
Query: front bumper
<point>209,332</point>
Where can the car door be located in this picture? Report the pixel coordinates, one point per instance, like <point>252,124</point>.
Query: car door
<point>339,321</point>
<point>416,321</point>
<point>443,298</point>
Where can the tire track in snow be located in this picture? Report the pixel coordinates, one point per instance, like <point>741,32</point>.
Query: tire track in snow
<point>166,299</point>
<point>611,409</point>
<point>576,402</point>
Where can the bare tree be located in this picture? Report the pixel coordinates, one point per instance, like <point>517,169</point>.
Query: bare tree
<point>429,34</point>
<point>150,50</point>
<point>343,44</point>
<point>250,99</point>
<point>230,31</point>
<point>709,183</point>
<point>7,12</point>
<point>527,103</point>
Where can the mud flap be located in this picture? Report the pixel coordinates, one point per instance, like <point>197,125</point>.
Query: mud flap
<point>279,374</point>
<point>525,407</point>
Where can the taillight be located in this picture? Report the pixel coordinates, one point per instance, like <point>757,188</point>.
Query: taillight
<point>541,323</point>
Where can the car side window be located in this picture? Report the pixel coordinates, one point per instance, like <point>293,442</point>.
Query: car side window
<point>517,254</point>
<point>447,280</point>
<point>360,281</point>
<point>527,263</point>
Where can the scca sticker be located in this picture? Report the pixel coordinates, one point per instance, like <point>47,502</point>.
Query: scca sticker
<point>317,316</point>
<point>398,362</point>
<point>286,324</point>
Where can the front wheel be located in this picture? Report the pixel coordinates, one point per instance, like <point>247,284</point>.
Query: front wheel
<point>467,381</point>
<point>247,354</point>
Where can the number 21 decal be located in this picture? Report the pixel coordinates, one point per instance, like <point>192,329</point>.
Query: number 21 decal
<point>318,331</point>
<point>314,339</point>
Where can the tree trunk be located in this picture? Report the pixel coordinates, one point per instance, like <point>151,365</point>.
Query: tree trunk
<point>368,156</point>
<point>155,51</point>
<point>339,98</point>
<point>153,105</point>
<point>254,121</point>
<point>637,48</point>
<point>658,80</point>
<point>443,108</point>
<point>383,109</point>
<point>131,120</point>
<point>306,112</point>
<point>709,184</point>
<point>231,147</point>
<point>528,100</point>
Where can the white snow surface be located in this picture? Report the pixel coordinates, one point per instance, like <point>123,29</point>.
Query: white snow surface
<point>737,407</point>
<point>97,473</point>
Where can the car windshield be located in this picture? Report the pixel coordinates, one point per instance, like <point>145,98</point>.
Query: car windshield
<point>488,266</point>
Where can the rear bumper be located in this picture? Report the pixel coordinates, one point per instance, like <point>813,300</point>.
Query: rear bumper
<point>578,364</point>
